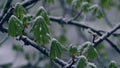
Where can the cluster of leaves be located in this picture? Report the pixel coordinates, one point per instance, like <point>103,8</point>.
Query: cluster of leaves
<point>85,54</point>
<point>86,6</point>
<point>19,21</point>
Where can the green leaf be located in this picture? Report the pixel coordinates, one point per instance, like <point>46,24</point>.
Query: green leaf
<point>82,47</point>
<point>91,52</point>
<point>50,1</point>
<point>17,48</point>
<point>19,11</point>
<point>69,1</point>
<point>42,12</point>
<point>119,7</point>
<point>55,50</point>
<point>73,50</point>
<point>34,55</point>
<point>82,62</point>
<point>15,27</point>
<point>62,39</point>
<point>40,31</point>
<point>85,6</point>
<point>106,3</point>
<point>101,49</point>
<point>26,20</point>
<point>27,56</point>
<point>88,50</point>
<point>75,4</point>
<point>96,11</point>
<point>112,64</point>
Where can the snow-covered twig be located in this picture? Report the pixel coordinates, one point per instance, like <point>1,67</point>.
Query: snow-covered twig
<point>61,20</point>
<point>6,7</point>
<point>30,42</point>
<point>107,34</point>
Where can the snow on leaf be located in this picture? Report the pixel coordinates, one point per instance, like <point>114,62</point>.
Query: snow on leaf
<point>42,12</point>
<point>91,65</point>
<point>72,50</point>
<point>96,11</point>
<point>40,29</point>
<point>15,26</point>
<point>56,49</point>
<point>88,50</point>
<point>19,11</point>
<point>112,64</point>
<point>82,62</point>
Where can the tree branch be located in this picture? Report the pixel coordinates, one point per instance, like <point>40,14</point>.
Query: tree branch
<point>28,41</point>
<point>61,20</point>
<point>107,34</point>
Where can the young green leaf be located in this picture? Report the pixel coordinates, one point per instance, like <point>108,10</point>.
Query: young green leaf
<point>40,31</point>
<point>85,6</point>
<point>91,52</point>
<point>81,48</point>
<point>17,48</point>
<point>96,11</point>
<point>112,64</point>
<point>42,12</point>
<point>50,1</point>
<point>82,62</point>
<point>62,39</point>
<point>26,20</point>
<point>19,11</point>
<point>107,3</point>
<point>55,50</point>
<point>101,49</point>
<point>27,56</point>
<point>76,4</point>
<point>15,27</point>
<point>69,1</point>
<point>73,50</point>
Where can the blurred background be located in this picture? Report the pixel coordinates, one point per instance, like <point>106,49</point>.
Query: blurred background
<point>14,54</point>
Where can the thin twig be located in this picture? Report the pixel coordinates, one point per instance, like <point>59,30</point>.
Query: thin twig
<point>6,8</point>
<point>107,34</point>
<point>6,16</point>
